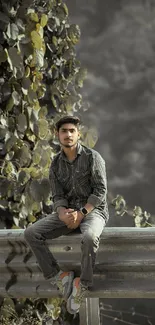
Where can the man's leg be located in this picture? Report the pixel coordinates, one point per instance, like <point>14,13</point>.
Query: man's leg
<point>35,235</point>
<point>91,227</point>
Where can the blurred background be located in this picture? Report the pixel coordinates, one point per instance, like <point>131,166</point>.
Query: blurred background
<point>118,49</point>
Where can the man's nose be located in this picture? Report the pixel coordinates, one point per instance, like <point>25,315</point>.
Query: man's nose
<point>69,133</point>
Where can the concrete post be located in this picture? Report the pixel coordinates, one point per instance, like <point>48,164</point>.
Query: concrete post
<point>89,312</point>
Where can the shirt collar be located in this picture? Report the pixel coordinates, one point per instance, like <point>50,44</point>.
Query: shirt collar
<point>79,151</point>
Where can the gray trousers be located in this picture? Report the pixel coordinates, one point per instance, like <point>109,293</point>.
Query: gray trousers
<point>51,227</point>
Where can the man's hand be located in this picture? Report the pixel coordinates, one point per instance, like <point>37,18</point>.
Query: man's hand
<point>78,216</point>
<point>68,216</point>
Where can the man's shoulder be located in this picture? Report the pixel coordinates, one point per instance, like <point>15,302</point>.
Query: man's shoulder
<point>55,158</point>
<point>94,153</point>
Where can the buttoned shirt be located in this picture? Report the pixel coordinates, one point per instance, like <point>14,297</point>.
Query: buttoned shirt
<point>81,181</point>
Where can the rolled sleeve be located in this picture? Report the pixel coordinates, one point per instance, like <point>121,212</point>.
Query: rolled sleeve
<point>60,203</point>
<point>94,200</point>
<point>98,181</point>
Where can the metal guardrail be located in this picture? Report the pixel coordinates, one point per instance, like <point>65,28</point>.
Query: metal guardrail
<point>125,265</point>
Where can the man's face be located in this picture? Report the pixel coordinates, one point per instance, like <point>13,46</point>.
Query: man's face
<point>68,135</point>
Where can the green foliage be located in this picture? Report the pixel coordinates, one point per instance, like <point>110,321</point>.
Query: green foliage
<point>89,136</point>
<point>40,79</point>
<point>37,311</point>
<point>141,218</point>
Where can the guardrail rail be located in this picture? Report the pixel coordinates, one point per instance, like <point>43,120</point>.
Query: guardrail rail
<point>125,267</point>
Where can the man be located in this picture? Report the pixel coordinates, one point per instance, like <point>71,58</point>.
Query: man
<point>79,189</point>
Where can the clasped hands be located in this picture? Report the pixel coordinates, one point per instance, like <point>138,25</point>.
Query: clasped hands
<point>71,218</point>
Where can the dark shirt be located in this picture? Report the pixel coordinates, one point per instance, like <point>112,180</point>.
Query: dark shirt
<point>81,181</point>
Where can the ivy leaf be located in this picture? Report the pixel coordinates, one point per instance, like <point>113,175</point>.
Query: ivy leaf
<point>14,58</point>
<point>27,71</point>
<point>45,185</point>
<point>16,221</point>
<point>10,104</point>
<point>42,128</point>
<point>35,191</point>
<point>137,211</point>
<point>80,76</point>
<point>43,112</point>
<point>44,159</point>
<point>3,204</point>
<point>6,91</point>
<point>56,312</point>
<point>44,20</point>
<point>69,103</point>
<point>51,24</point>
<point>36,40</point>
<point>30,136</point>
<point>5,184</point>
<point>74,33</point>
<point>37,153</point>
<point>9,170</point>
<point>34,172</point>
<point>21,123</point>
<point>12,31</point>
<point>23,177</point>
<point>119,203</point>
<point>34,16</point>
<point>65,8</point>
<point>3,56</point>
<point>38,58</point>
<point>9,155</point>
<point>40,190</point>
<point>11,124</point>
<point>7,308</point>
<point>23,156</point>
<point>32,96</point>
<point>31,218</point>
<point>4,121</point>
<point>26,83</point>
<point>10,142</point>
<point>138,221</point>
<point>16,98</point>
<point>3,131</point>
<point>91,137</point>
<point>55,41</point>
<point>61,13</point>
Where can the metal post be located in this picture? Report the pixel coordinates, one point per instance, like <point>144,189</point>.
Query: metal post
<point>89,312</point>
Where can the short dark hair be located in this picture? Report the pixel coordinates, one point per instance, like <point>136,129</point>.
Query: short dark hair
<point>67,119</point>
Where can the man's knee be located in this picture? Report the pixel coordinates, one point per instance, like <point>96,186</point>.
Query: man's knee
<point>29,233</point>
<point>89,239</point>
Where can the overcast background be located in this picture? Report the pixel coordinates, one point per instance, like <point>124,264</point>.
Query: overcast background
<point>118,48</point>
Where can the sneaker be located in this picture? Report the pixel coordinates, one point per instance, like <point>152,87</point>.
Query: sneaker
<point>76,297</point>
<point>64,281</point>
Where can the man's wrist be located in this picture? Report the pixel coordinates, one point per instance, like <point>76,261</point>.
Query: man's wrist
<point>80,214</point>
<point>61,209</point>
<point>84,211</point>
